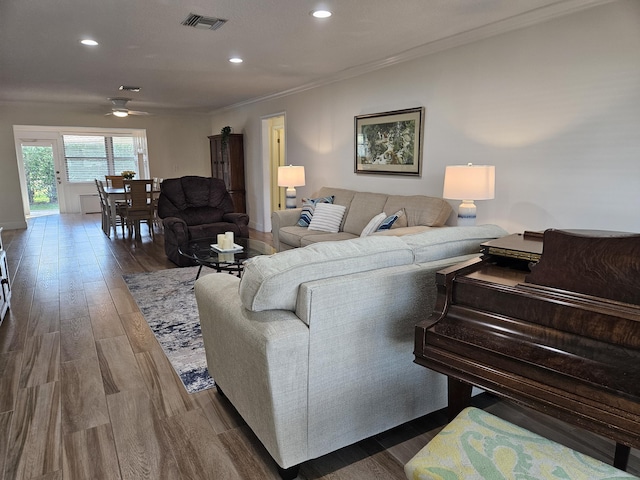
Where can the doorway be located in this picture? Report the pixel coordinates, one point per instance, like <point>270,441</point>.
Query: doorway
<point>42,178</point>
<point>274,156</point>
<point>277,160</point>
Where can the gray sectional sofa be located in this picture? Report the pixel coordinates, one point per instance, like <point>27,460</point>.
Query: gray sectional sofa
<point>314,345</point>
<point>421,213</point>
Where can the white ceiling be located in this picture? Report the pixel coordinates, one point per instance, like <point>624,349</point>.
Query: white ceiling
<point>143,43</point>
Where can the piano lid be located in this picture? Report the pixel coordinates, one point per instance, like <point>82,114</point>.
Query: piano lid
<point>599,263</point>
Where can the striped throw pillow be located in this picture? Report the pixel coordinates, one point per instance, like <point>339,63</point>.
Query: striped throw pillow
<point>373,224</point>
<point>308,207</point>
<point>327,217</point>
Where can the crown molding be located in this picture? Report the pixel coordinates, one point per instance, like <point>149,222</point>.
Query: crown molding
<point>533,17</point>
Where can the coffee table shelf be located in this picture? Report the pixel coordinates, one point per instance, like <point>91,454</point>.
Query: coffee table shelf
<point>201,251</point>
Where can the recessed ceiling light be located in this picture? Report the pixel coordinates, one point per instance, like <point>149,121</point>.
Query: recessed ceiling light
<point>321,13</point>
<point>235,60</point>
<point>89,42</point>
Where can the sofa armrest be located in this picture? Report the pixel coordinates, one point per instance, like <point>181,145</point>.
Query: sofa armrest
<point>260,361</point>
<point>283,218</point>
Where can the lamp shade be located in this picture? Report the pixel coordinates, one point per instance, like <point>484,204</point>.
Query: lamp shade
<point>291,176</point>
<point>469,182</point>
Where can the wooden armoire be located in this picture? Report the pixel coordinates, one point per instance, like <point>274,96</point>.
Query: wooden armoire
<point>227,163</point>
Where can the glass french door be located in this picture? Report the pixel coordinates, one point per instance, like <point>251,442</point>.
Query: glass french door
<point>42,177</point>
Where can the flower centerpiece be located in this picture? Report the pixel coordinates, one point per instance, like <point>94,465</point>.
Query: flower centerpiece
<point>128,174</point>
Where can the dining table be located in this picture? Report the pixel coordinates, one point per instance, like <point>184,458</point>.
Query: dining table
<point>114,194</point>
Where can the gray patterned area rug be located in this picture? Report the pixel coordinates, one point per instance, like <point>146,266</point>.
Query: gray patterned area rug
<point>168,303</point>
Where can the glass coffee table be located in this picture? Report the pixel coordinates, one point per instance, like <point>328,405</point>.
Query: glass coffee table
<point>203,253</point>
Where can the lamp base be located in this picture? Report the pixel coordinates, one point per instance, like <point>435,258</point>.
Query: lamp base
<point>467,213</point>
<point>290,198</point>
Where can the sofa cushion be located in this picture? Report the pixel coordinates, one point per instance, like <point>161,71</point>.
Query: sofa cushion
<point>178,194</point>
<point>315,237</point>
<point>271,282</point>
<point>445,242</point>
<point>364,206</point>
<point>210,230</point>
<point>301,236</point>
<point>373,224</point>
<point>399,232</point>
<point>327,217</point>
<point>341,196</point>
<point>202,215</point>
<point>420,209</point>
<point>401,222</point>
<point>292,235</point>
<point>308,207</point>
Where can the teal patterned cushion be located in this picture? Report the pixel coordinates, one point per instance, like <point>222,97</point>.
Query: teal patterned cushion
<point>308,206</point>
<point>477,445</point>
<point>388,222</point>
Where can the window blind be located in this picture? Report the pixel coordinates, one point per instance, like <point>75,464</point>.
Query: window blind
<point>88,157</point>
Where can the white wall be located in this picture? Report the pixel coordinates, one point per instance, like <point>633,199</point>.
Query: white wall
<point>177,145</point>
<point>555,107</point>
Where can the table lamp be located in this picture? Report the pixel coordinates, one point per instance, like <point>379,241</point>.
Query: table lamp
<point>291,177</point>
<point>468,183</point>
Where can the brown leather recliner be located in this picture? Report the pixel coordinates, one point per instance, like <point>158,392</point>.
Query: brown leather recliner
<point>196,207</point>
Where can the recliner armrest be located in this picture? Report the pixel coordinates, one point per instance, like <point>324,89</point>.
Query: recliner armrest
<point>177,226</point>
<point>237,218</point>
<point>176,234</point>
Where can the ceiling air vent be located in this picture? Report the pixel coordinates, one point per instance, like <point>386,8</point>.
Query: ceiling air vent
<point>206,23</point>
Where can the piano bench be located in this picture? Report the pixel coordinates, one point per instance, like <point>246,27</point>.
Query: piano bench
<point>478,445</point>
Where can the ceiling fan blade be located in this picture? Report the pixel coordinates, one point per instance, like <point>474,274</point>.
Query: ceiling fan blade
<point>119,108</point>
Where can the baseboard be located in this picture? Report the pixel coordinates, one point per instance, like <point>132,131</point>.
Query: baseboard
<point>14,225</point>
<point>256,226</point>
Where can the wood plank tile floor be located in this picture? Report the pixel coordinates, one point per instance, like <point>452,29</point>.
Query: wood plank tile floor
<point>87,393</point>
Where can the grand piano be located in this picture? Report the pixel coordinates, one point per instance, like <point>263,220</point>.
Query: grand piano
<point>550,321</point>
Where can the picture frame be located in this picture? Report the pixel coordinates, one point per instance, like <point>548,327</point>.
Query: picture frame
<point>389,143</point>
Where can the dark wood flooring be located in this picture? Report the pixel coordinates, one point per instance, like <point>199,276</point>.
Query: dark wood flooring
<point>87,393</point>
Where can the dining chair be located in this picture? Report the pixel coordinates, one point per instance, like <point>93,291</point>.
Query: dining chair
<point>114,181</point>
<point>106,211</point>
<point>155,197</point>
<point>104,207</point>
<point>138,206</point>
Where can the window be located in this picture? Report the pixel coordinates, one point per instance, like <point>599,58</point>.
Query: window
<point>93,156</point>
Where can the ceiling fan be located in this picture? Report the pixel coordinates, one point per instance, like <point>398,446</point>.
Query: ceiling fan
<point>120,109</point>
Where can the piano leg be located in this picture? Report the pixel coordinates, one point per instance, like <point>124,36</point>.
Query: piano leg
<point>459,396</point>
<point>621,457</point>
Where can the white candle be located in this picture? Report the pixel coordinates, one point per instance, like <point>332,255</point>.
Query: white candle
<point>229,236</point>
<point>221,240</point>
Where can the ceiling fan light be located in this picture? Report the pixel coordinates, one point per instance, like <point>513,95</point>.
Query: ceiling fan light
<point>89,42</point>
<point>121,113</point>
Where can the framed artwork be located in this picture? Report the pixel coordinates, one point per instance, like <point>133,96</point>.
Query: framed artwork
<point>389,143</point>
